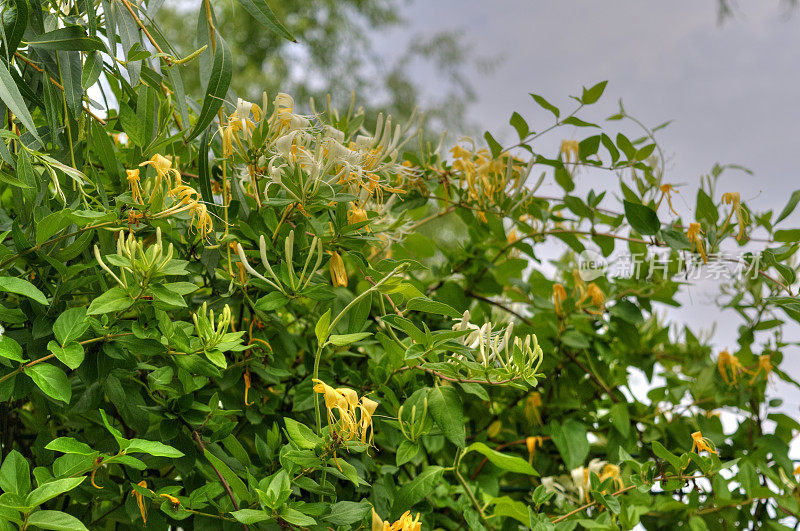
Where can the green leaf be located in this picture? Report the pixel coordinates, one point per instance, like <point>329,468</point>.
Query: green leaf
<point>55,520</point>
<point>7,178</point>
<point>15,474</point>
<point>666,455</point>
<point>591,95</point>
<point>519,123</point>
<point>301,435</point>
<point>71,354</point>
<point>321,329</point>
<point>494,146</point>
<point>706,209</point>
<point>643,219</point>
<point>347,512</point>
<point>543,103</point>
<point>511,463</point>
<point>22,287</point>
<point>52,224</point>
<point>68,445</point>
<point>260,11</point>
<point>577,122</point>
<point>167,296</point>
<point>788,236</point>
<point>446,409</point>
<point>154,448</point>
<point>51,380</point>
<point>15,20</point>
<point>50,490</point>
<point>250,516</point>
<point>72,38</point>
<point>121,441</point>
<point>70,325</point>
<point>218,83</point>
<point>423,304</point>
<point>346,339</point>
<point>236,484</point>
<point>10,349</point>
<point>9,94</point>
<point>571,441</point>
<point>415,490</point>
<point>296,517</point>
<point>406,451</point>
<point>92,68</point>
<point>789,208</point>
<point>113,300</point>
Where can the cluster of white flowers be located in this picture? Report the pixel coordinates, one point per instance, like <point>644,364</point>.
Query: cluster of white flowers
<point>576,486</point>
<point>495,348</point>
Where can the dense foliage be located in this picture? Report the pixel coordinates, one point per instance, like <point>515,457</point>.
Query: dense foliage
<point>220,314</point>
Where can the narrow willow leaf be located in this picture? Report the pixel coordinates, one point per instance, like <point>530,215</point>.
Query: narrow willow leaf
<point>218,83</point>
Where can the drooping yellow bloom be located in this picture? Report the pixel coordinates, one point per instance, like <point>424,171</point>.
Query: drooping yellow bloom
<point>571,149</point>
<point>201,220</point>
<point>735,200</point>
<point>612,472</point>
<point>559,295</point>
<point>135,184</point>
<point>666,191</point>
<point>701,443</point>
<point>696,239</point>
<point>172,499</point>
<point>356,215</point>
<point>729,367</point>
<point>348,416</point>
<point>531,443</point>
<point>247,385</point>
<point>405,523</point>
<point>164,170</point>
<point>533,405</point>
<point>96,467</point>
<point>595,294</point>
<point>764,365</point>
<point>140,501</point>
<point>338,272</point>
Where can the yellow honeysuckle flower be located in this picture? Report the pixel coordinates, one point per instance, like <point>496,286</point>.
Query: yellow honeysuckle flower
<point>405,523</point>
<point>349,417</point>
<point>164,170</point>
<point>96,467</point>
<point>135,184</point>
<point>172,499</point>
<point>533,405</point>
<point>571,149</point>
<point>559,295</point>
<point>459,152</point>
<point>531,443</point>
<point>729,367</point>
<point>356,215</point>
<point>696,239</point>
<point>338,272</point>
<point>764,365</point>
<point>735,200</point>
<point>247,386</point>
<point>140,501</point>
<point>701,443</point>
<point>797,470</point>
<point>612,472</point>
<point>666,191</point>
<point>201,220</point>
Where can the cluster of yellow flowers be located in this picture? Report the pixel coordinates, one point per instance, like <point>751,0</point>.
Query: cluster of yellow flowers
<point>485,177</point>
<point>730,367</point>
<point>406,522</point>
<point>735,200</point>
<point>585,292</point>
<point>186,198</point>
<point>348,416</point>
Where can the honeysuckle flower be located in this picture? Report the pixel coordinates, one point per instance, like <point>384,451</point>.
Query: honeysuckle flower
<point>612,472</point>
<point>172,499</point>
<point>735,200</point>
<point>533,406</point>
<point>531,443</point>
<point>666,191</point>
<point>356,215</point>
<point>140,503</point>
<point>164,170</point>
<point>348,416</point>
<point>764,365</point>
<point>406,522</point>
<point>729,367</point>
<point>596,296</point>
<point>701,443</point>
<point>571,149</point>
<point>694,233</point>
<point>135,183</point>
<point>247,385</point>
<point>559,295</point>
<point>97,461</point>
<point>338,272</point>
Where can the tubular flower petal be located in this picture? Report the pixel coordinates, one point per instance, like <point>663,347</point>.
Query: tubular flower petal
<point>406,522</point>
<point>666,191</point>
<point>349,417</point>
<point>729,367</point>
<point>735,200</point>
<point>135,184</point>
<point>140,501</point>
<point>97,462</point>
<point>571,149</point>
<point>164,170</point>
<point>696,239</point>
<point>701,443</point>
<point>531,443</point>
<point>247,385</point>
<point>764,365</point>
<point>338,272</point>
<point>559,295</point>
<point>356,215</point>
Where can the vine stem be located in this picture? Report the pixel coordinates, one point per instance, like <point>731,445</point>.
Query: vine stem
<point>322,341</point>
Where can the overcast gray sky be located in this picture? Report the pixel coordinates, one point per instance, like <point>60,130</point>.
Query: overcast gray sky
<point>731,91</point>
